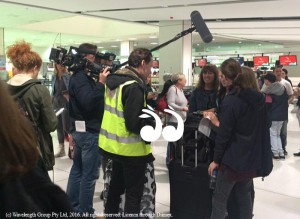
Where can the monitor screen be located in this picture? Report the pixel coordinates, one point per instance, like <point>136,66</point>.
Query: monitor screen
<point>249,64</point>
<point>239,59</point>
<point>155,64</point>
<point>288,60</point>
<point>261,60</point>
<point>201,62</point>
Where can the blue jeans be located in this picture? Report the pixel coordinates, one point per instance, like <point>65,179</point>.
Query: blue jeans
<point>275,138</point>
<point>225,185</point>
<point>84,172</point>
<point>283,134</point>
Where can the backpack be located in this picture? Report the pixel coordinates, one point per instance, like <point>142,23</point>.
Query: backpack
<point>162,103</point>
<point>42,162</point>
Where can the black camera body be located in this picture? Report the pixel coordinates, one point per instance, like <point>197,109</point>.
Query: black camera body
<point>75,60</point>
<point>106,56</point>
<point>95,68</point>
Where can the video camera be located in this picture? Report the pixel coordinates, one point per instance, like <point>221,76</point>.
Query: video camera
<point>75,60</point>
<point>106,56</point>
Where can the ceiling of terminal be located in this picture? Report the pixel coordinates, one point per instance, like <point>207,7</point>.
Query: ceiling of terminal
<point>238,26</point>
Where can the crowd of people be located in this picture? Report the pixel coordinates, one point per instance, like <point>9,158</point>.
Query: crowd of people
<point>102,118</point>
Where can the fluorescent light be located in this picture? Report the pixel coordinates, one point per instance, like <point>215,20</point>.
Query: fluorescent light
<point>153,43</point>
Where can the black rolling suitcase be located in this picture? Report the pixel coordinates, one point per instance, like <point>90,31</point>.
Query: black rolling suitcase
<point>189,180</point>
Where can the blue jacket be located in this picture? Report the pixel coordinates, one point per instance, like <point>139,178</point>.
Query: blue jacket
<point>202,100</point>
<point>243,131</point>
<point>86,101</point>
<point>66,79</point>
<point>278,109</point>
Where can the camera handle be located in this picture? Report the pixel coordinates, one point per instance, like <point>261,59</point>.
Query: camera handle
<point>178,36</point>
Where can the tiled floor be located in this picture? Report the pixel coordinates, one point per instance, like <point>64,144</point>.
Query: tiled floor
<point>277,197</point>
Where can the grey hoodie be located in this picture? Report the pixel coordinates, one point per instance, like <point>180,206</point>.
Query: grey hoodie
<point>275,88</point>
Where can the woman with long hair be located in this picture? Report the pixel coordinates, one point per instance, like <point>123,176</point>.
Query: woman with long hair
<point>23,185</point>
<point>240,138</point>
<point>60,86</point>
<point>25,84</point>
<point>204,96</point>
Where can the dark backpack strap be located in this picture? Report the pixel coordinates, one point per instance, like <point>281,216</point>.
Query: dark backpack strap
<point>22,102</point>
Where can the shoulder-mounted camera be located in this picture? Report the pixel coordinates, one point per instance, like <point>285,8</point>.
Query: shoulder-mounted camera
<point>75,61</point>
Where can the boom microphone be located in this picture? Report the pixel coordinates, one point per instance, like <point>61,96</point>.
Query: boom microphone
<point>201,27</point>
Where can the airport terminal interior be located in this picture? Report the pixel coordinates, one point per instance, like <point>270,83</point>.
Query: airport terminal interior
<point>268,30</point>
<point>277,197</point>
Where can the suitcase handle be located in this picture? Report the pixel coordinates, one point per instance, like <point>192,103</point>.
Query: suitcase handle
<point>196,151</point>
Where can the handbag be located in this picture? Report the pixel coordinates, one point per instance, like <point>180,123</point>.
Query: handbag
<point>162,104</point>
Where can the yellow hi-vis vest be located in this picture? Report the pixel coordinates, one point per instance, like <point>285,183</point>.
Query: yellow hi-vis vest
<point>114,136</point>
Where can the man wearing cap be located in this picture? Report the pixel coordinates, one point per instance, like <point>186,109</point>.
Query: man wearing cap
<point>86,105</point>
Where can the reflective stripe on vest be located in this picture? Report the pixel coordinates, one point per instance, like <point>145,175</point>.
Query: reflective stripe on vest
<point>114,136</point>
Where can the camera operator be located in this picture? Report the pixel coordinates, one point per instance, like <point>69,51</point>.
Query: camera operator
<point>86,110</point>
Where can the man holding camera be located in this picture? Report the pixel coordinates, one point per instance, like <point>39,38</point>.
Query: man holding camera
<point>120,138</point>
<point>86,106</point>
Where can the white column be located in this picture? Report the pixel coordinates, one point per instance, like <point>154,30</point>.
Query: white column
<point>126,49</point>
<point>2,50</point>
<point>187,54</point>
<point>177,56</point>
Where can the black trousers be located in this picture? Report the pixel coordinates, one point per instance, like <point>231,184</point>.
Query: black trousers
<point>63,126</point>
<point>242,193</point>
<point>128,178</point>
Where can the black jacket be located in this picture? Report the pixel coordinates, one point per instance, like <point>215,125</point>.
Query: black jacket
<point>86,101</point>
<point>33,194</point>
<point>243,131</point>
<point>133,97</point>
